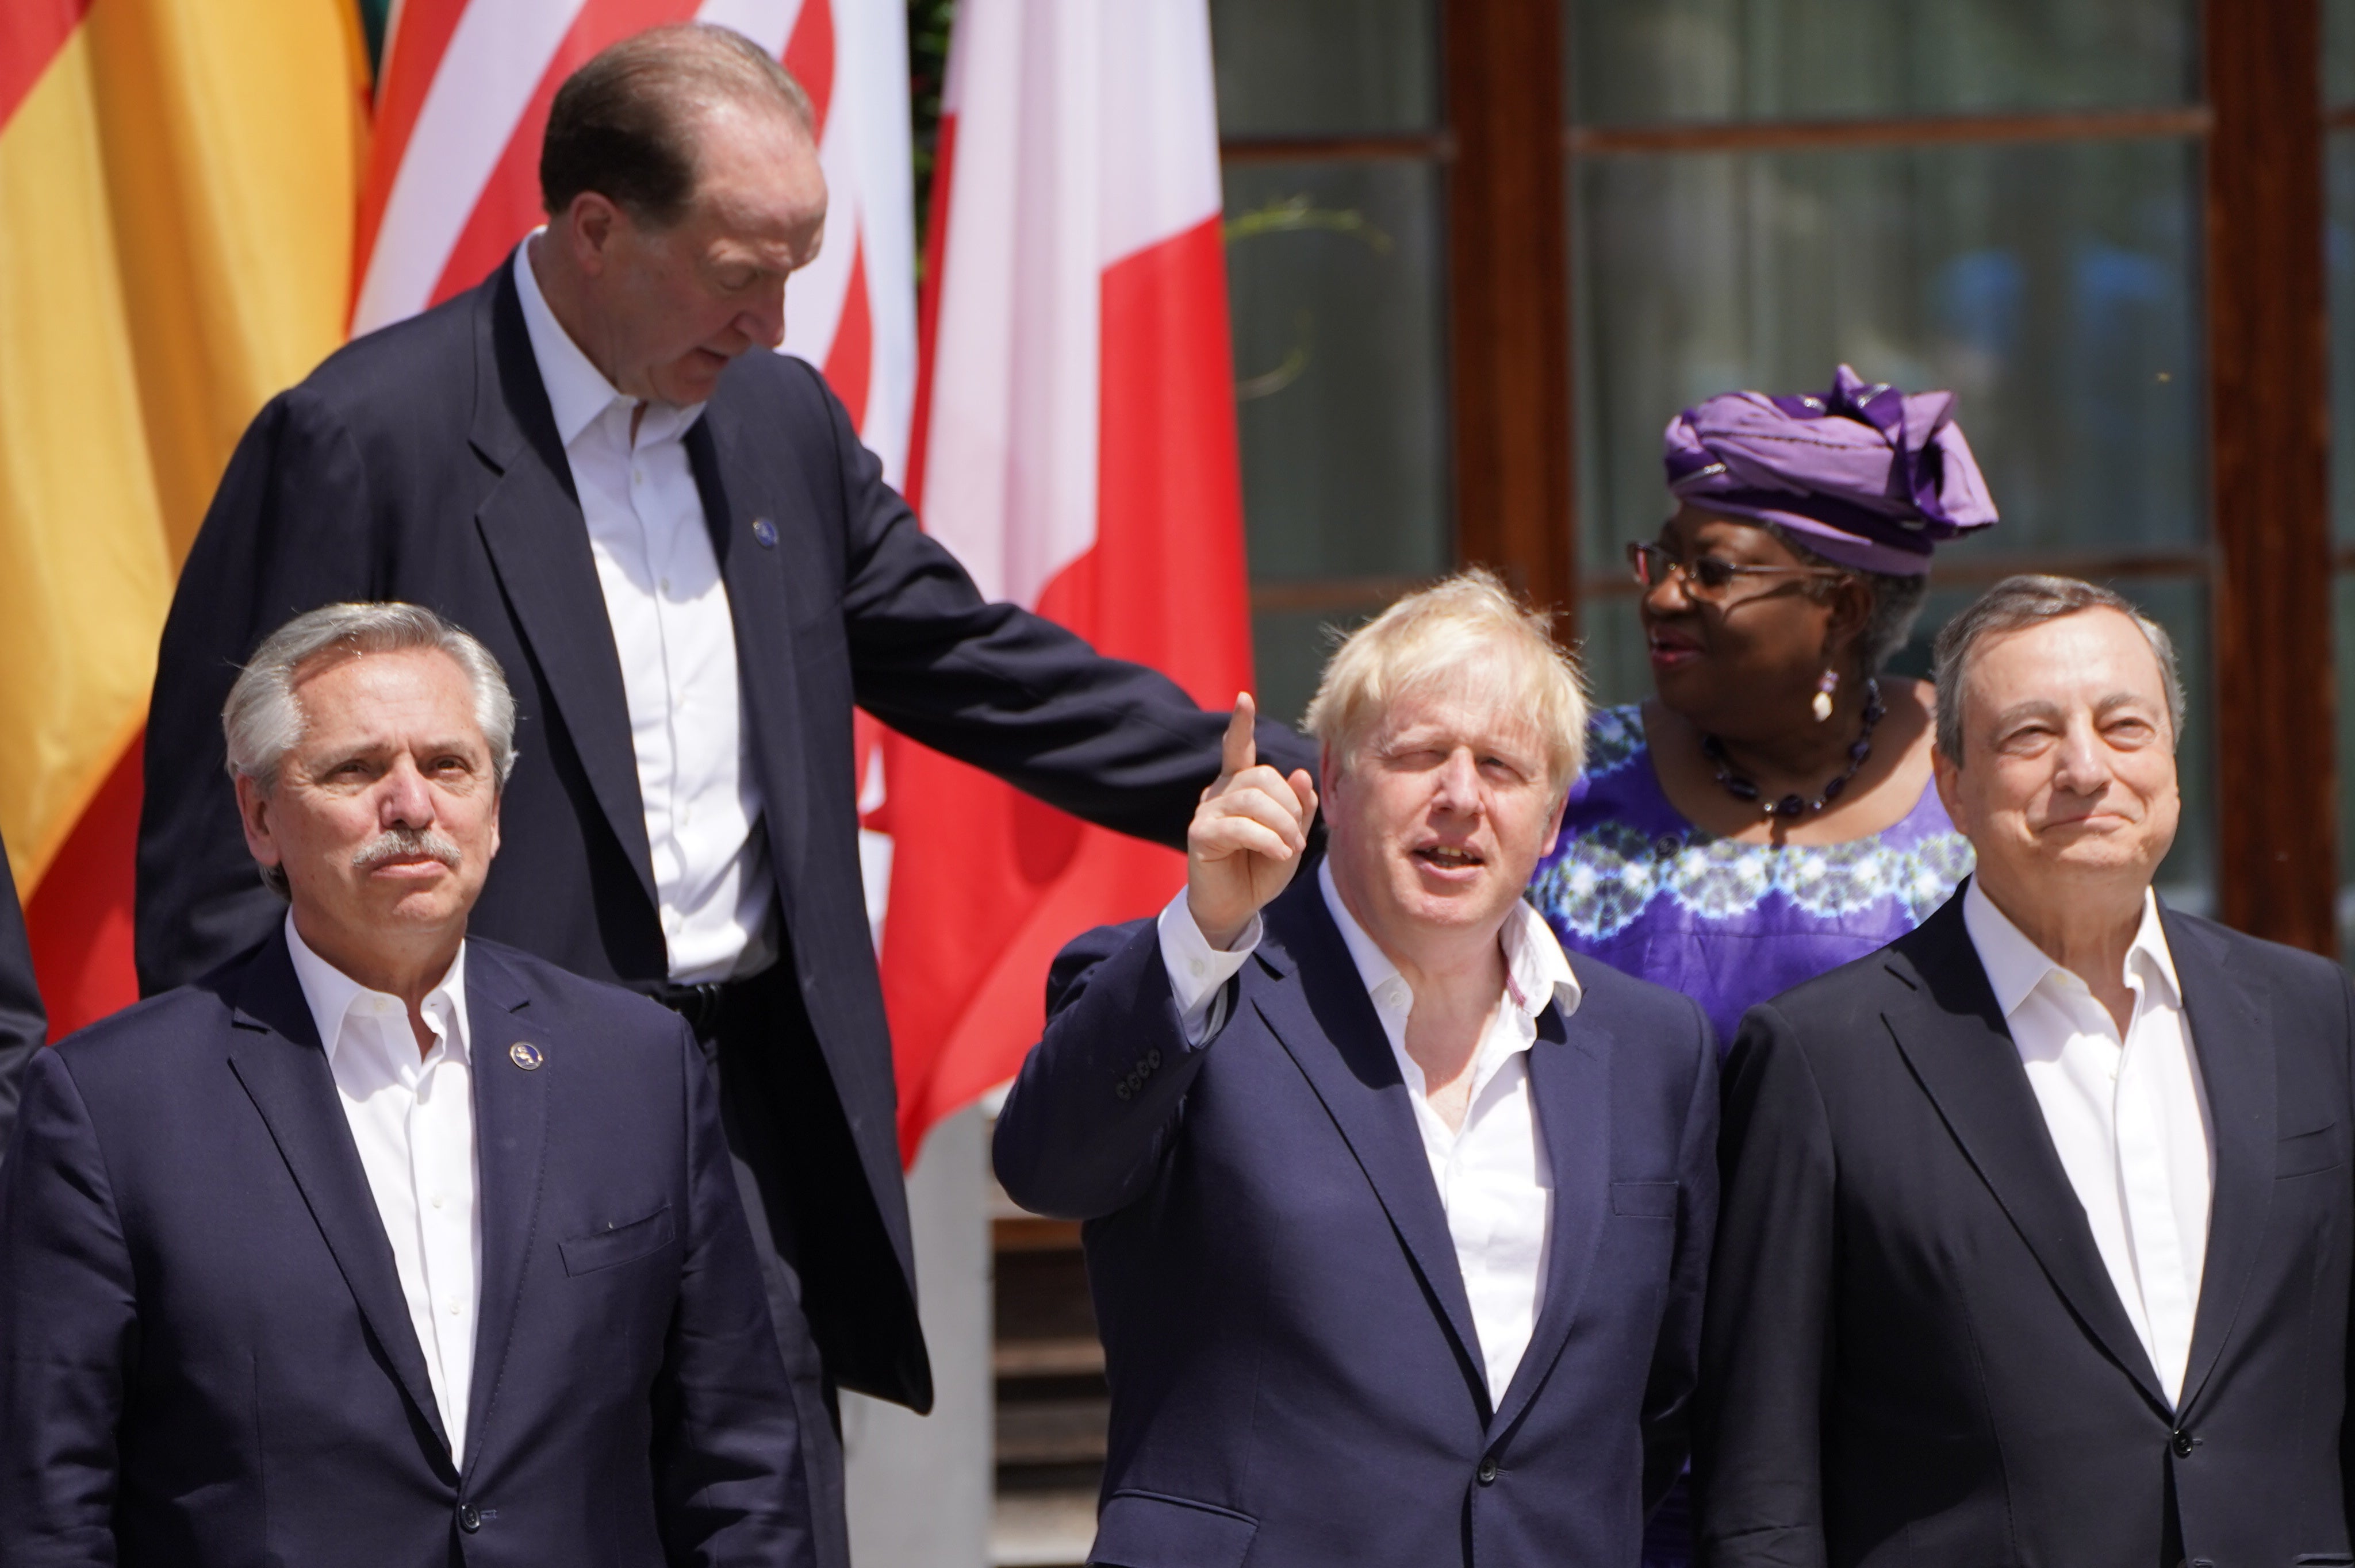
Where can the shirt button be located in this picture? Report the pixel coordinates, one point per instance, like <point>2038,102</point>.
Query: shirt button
<point>1196,966</point>
<point>451,1304</point>
<point>637,476</point>
<point>437,1200</point>
<point>666,585</point>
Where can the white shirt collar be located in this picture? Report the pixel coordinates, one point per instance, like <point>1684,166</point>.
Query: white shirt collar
<point>2016,966</point>
<point>577,392</point>
<point>332,994</point>
<point>1536,971</point>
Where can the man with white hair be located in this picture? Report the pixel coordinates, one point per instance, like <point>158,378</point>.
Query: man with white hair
<point>2037,1229</point>
<point>1397,1220</point>
<point>380,1244</point>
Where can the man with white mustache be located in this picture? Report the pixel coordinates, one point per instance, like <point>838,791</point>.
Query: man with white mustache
<point>380,1240</point>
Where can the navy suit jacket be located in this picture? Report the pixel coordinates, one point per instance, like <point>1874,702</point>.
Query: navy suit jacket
<point>22,1020</point>
<point>422,463</point>
<point>1296,1376</point>
<point>205,1354</point>
<point>1914,1352</point>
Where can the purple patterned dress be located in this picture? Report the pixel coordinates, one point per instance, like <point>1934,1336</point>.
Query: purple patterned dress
<point>1729,924</point>
<point>1633,883</point>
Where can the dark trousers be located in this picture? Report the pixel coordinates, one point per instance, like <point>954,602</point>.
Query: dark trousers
<point>768,1066</point>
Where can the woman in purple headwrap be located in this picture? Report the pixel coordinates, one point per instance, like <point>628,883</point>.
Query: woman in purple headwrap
<point>1769,815</point>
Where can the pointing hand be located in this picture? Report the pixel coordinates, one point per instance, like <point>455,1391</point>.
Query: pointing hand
<point>1246,836</point>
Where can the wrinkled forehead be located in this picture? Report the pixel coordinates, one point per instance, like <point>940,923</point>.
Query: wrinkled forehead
<point>755,168</point>
<point>2091,660</point>
<point>342,694</point>
<point>2095,665</point>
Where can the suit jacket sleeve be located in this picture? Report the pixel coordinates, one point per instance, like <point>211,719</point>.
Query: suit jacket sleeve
<point>1668,1395</point>
<point>1766,1337</point>
<point>1096,1105</point>
<point>992,684</point>
<point>286,533</point>
<point>68,1331</point>
<point>2347,1418</point>
<point>22,1021</point>
<point>728,1471</point>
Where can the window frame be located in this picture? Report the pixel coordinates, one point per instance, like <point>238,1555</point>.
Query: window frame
<point>1507,149</point>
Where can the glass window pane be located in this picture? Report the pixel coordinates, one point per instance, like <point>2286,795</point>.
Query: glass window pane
<point>1334,275</point>
<point>2053,287</point>
<point>1612,647</point>
<point>1642,61</point>
<point>2338,51</point>
<point>1289,649</point>
<point>1324,68</point>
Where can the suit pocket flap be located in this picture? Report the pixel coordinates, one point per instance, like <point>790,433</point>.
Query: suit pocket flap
<point>618,1243</point>
<point>2302,1152</point>
<point>1645,1200</point>
<point>1143,1529</point>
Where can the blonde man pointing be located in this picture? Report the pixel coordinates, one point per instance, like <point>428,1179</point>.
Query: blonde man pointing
<point>1398,1219</point>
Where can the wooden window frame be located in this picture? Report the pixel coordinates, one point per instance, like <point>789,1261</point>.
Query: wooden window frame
<point>1507,149</point>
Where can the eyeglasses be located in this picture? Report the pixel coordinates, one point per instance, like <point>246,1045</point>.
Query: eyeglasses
<point>1707,579</point>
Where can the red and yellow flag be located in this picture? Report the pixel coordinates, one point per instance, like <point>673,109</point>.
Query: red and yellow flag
<point>177,182</point>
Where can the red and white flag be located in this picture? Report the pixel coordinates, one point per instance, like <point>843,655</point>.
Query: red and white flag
<point>453,172</point>
<point>1075,447</point>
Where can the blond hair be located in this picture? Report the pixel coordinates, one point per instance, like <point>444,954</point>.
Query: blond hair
<point>1471,636</point>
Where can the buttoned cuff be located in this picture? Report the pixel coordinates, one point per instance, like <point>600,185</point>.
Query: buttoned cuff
<point>1198,972</point>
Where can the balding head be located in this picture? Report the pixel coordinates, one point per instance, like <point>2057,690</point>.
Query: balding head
<point>683,189</point>
<point>628,124</point>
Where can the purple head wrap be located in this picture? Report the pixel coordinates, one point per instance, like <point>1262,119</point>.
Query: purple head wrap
<point>1872,477</point>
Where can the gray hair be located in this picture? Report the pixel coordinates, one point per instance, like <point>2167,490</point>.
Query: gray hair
<point>2018,603</point>
<point>1896,600</point>
<point>263,721</point>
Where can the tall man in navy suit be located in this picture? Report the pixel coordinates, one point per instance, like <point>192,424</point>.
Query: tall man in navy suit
<point>383,1244</point>
<point>1397,1220</point>
<point>673,541</point>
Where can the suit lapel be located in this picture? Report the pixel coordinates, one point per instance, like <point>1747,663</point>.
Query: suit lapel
<point>277,1056</point>
<point>2232,1037</point>
<point>510,1141</point>
<point>755,567</point>
<point>1327,1023</point>
<point>531,526</point>
<point>1952,1035</point>
<point>1570,1083</point>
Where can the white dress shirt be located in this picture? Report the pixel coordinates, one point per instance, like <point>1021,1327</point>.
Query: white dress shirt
<point>413,1120</point>
<point>2129,1117</point>
<point>1495,1180</point>
<point>669,607</point>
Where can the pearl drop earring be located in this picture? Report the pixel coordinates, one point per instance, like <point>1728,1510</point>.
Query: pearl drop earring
<point>1822,705</point>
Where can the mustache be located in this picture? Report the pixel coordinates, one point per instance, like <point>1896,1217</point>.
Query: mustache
<point>406,843</point>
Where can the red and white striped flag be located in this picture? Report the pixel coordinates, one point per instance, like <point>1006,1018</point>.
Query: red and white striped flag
<point>453,172</point>
<point>1075,447</point>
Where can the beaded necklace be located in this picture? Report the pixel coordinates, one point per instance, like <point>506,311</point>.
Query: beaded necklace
<point>1790,807</point>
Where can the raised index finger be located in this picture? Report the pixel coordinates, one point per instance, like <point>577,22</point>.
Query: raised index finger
<point>1238,749</point>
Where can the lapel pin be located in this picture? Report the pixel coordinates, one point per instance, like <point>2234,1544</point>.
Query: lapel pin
<point>766,531</point>
<point>525,1054</point>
